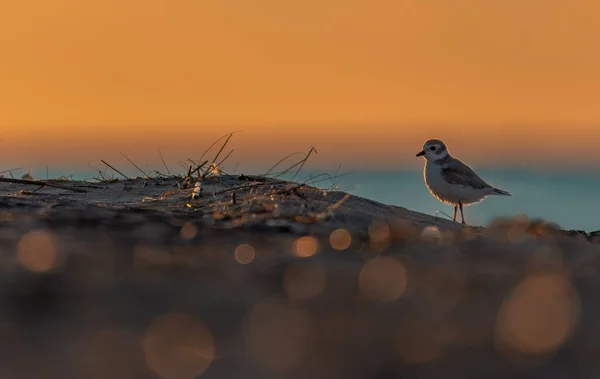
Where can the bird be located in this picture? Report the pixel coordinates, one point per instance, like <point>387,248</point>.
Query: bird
<point>451,181</point>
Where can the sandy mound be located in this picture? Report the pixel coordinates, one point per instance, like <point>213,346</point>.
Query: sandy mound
<point>135,279</point>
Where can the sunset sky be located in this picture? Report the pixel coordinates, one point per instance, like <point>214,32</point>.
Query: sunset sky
<point>364,81</point>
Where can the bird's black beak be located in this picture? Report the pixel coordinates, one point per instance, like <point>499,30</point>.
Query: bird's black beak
<point>420,154</point>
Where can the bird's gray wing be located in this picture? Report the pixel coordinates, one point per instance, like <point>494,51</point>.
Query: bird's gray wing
<point>456,172</point>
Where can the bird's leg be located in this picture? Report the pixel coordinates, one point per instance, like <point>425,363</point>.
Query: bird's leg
<point>462,214</point>
<point>455,209</point>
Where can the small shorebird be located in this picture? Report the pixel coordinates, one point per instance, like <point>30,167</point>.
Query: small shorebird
<point>451,181</point>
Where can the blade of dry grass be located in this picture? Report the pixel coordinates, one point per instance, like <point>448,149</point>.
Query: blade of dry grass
<point>162,175</point>
<point>197,169</point>
<point>312,149</point>
<point>215,142</point>
<point>117,171</point>
<point>444,213</point>
<point>248,186</point>
<point>281,161</point>
<point>224,159</point>
<point>163,161</point>
<point>41,184</point>
<point>134,165</point>
<point>9,171</point>
<point>183,165</point>
<point>102,177</point>
<point>306,181</point>
<point>216,156</point>
<point>299,163</point>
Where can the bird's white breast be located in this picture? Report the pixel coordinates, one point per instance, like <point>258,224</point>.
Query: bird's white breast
<point>446,192</point>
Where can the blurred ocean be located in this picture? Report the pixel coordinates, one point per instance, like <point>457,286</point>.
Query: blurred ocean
<point>570,199</point>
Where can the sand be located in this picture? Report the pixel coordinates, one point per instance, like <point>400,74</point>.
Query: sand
<point>135,279</point>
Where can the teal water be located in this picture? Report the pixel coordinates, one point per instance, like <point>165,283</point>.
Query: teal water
<point>569,199</point>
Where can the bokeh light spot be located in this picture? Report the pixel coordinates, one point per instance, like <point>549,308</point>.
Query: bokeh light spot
<point>244,254</point>
<point>306,246</point>
<point>304,281</point>
<point>539,315</point>
<point>383,279</point>
<point>147,255</point>
<point>111,353</point>
<point>37,251</point>
<point>418,342</point>
<point>340,239</point>
<point>188,231</point>
<point>277,336</point>
<point>379,232</point>
<point>431,233</point>
<point>177,346</point>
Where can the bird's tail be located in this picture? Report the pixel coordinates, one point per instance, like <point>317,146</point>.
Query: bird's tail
<point>497,191</point>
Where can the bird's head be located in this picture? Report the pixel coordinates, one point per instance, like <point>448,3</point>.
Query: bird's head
<point>433,150</point>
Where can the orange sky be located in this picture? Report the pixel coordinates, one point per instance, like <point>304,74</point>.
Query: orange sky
<point>365,81</point>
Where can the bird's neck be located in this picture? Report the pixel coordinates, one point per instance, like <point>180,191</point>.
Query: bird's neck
<point>441,160</point>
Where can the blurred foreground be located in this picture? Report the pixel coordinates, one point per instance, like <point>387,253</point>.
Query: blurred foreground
<point>134,279</point>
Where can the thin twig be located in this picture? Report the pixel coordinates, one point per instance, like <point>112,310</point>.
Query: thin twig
<point>117,171</point>
<point>134,165</point>
<point>40,183</point>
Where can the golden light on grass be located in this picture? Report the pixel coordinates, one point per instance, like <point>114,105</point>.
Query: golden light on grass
<point>37,251</point>
<point>383,279</point>
<point>214,169</point>
<point>304,281</point>
<point>379,232</point>
<point>244,254</point>
<point>176,346</point>
<point>340,239</point>
<point>538,316</point>
<point>188,231</point>
<point>277,336</point>
<point>306,246</point>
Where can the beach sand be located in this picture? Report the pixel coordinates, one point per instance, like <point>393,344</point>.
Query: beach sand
<point>135,279</point>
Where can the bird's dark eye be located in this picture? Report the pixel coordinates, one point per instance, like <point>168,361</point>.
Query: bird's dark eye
<point>432,148</point>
